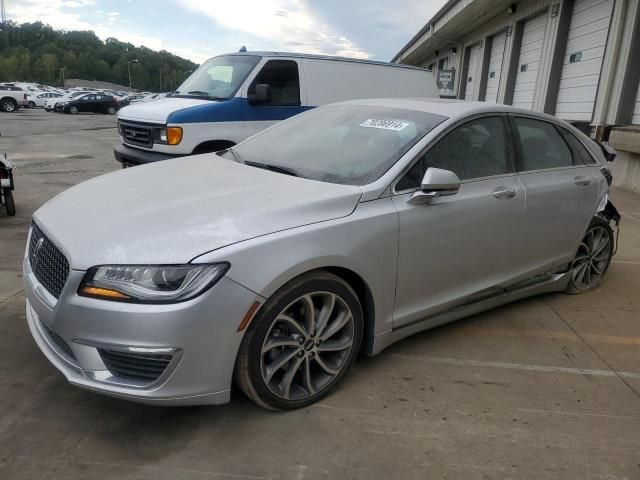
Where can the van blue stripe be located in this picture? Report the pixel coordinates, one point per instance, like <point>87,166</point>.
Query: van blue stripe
<point>233,110</point>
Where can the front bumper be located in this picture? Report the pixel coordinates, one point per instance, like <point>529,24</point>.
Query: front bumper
<point>200,336</point>
<point>129,157</point>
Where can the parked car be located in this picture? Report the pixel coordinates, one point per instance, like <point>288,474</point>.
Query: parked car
<point>91,102</point>
<point>38,100</point>
<point>12,98</point>
<point>50,104</point>
<point>346,228</point>
<point>232,97</point>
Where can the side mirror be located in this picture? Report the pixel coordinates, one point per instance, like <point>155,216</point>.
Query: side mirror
<point>436,183</point>
<point>262,94</point>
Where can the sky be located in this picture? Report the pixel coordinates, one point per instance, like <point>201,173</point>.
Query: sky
<point>200,29</point>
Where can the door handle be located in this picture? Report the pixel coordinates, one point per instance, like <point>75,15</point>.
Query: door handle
<point>503,193</point>
<point>582,181</point>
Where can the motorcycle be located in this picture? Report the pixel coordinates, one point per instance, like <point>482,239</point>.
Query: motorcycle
<point>6,184</point>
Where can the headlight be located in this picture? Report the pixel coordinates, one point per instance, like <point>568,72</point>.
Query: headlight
<point>150,283</point>
<point>169,135</point>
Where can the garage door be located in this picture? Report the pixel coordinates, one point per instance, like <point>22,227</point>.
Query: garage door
<point>495,67</point>
<point>587,40</point>
<point>472,72</point>
<point>529,62</point>
<point>636,110</point>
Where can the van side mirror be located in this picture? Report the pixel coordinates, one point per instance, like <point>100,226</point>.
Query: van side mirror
<point>436,183</point>
<point>262,94</point>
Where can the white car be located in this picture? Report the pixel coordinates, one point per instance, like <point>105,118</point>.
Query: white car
<point>39,99</point>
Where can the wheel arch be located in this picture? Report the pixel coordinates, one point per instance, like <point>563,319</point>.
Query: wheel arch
<point>353,279</point>
<point>212,146</point>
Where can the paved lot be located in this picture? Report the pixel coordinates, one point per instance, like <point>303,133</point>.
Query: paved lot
<point>546,388</point>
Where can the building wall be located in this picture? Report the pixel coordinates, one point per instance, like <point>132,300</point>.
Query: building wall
<point>589,48</point>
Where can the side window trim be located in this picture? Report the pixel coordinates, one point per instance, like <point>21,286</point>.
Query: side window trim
<point>509,152</point>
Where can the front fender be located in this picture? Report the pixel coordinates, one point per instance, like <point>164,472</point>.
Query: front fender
<point>365,243</point>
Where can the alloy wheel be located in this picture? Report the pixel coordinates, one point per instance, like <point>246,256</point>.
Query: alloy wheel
<point>8,106</point>
<point>307,346</point>
<point>592,258</point>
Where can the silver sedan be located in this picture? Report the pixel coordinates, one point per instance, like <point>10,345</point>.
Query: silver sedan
<point>336,232</point>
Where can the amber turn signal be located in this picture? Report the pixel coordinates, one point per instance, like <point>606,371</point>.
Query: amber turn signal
<point>174,135</point>
<point>102,293</point>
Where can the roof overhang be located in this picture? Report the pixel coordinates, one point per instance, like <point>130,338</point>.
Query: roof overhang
<point>449,26</point>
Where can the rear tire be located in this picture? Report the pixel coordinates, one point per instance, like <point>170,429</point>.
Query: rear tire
<point>592,259</point>
<point>111,110</point>
<point>9,203</point>
<point>8,105</point>
<point>301,343</point>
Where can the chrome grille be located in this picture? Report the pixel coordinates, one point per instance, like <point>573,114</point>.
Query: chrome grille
<point>48,263</point>
<point>135,134</point>
<point>146,367</point>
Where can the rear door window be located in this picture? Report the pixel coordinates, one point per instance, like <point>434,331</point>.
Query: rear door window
<point>283,78</point>
<point>541,145</point>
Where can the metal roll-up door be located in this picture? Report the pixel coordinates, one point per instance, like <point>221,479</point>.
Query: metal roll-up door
<point>529,62</point>
<point>472,71</point>
<point>586,43</point>
<point>494,71</point>
<point>636,110</point>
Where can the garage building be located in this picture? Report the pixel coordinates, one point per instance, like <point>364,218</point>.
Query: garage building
<point>576,59</point>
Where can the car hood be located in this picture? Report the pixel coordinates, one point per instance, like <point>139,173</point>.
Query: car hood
<point>173,211</point>
<point>158,111</point>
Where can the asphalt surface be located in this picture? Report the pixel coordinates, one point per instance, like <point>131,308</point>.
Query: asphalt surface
<point>545,388</point>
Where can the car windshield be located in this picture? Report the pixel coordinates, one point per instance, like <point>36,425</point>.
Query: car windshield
<point>344,144</point>
<point>218,77</point>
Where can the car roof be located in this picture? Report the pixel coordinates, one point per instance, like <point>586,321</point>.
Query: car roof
<point>446,107</point>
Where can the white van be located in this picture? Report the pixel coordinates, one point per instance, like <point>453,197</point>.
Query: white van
<point>231,97</point>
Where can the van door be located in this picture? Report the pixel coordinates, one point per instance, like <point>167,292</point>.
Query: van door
<point>283,78</point>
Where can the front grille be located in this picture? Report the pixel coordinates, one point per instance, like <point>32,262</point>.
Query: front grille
<point>135,134</point>
<point>48,263</point>
<point>57,339</point>
<point>146,367</point>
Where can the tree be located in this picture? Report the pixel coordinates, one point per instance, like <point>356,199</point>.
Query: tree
<point>37,52</point>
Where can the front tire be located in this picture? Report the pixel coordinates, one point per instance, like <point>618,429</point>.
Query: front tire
<point>73,110</point>
<point>592,259</point>
<point>32,104</point>
<point>301,343</point>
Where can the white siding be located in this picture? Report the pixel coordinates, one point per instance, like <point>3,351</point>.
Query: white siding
<point>530,53</point>
<point>495,67</point>
<point>472,72</point>
<point>588,33</point>
<point>636,110</point>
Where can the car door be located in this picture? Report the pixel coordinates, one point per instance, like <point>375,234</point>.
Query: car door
<point>283,76</point>
<point>561,194</point>
<point>461,245</point>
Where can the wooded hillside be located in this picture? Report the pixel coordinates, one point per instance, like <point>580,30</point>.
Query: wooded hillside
<point>35,52</point>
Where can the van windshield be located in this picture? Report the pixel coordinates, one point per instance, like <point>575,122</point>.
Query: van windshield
<point>219,78</point>
<point>344,144</point>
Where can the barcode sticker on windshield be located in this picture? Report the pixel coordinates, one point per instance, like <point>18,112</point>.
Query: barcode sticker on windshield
<point>394,125</point>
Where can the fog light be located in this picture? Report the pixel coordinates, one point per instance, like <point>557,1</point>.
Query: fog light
<point>174,135</point>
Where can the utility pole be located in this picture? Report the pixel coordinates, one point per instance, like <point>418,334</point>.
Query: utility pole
<point>3,12</point>
<point>62,74</point>
<point>129,69</point>
<point>161,54</point>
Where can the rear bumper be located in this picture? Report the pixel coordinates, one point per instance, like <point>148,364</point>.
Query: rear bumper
<point>129,157</point>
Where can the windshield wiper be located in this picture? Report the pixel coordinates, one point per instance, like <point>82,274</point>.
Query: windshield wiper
<point>272,168</point>
<point>198,93</point>
<point>236,157</point>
